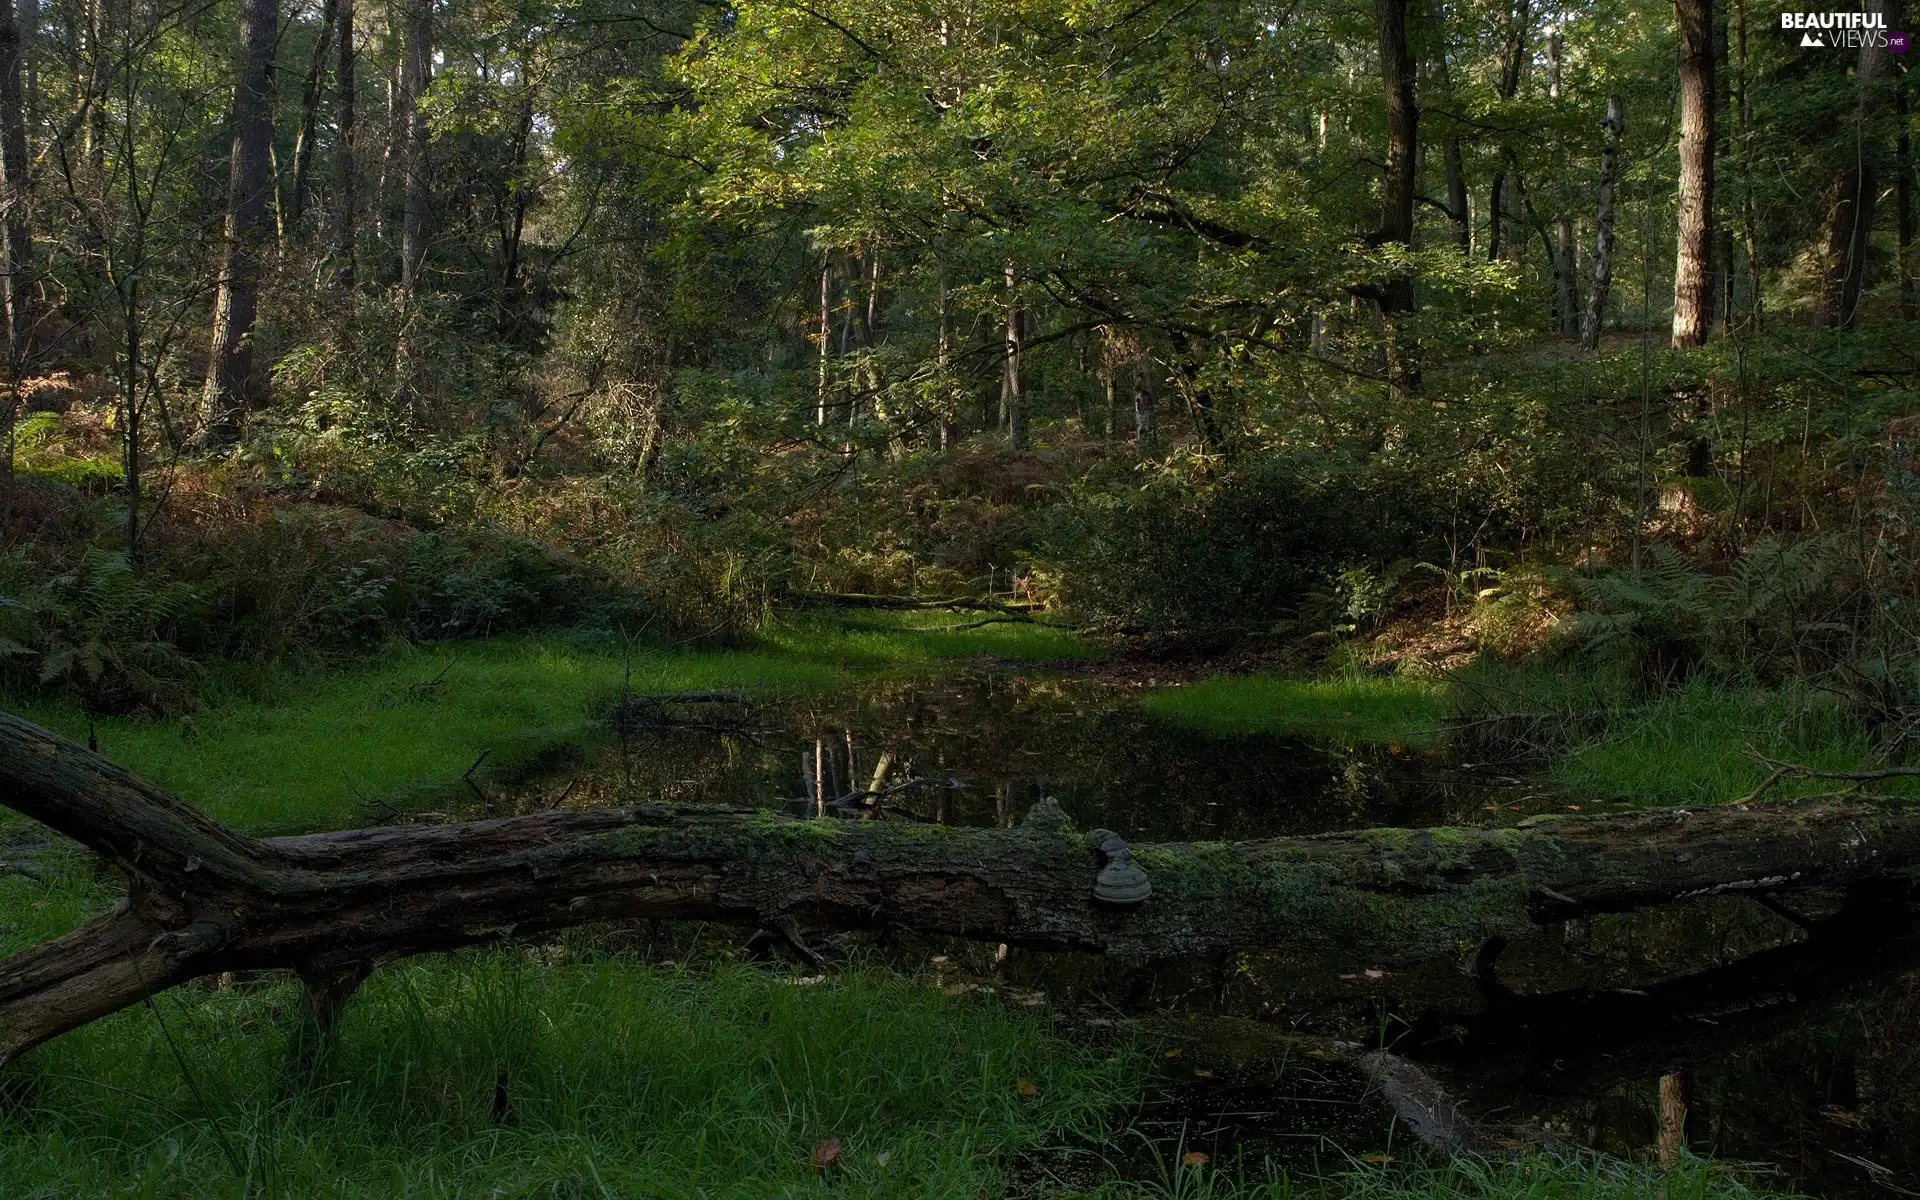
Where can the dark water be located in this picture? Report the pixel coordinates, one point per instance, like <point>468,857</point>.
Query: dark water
<point>1803,1054</point>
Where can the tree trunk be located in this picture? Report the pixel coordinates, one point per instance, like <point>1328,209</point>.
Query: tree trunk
<point>1451,161</point>
<point>1140,374</point>
<point>1615,125</point>
<point>346,175</point>
<point>415,74</point>
<point>1743,113</point>
<point>1903,205</point>
<point>1457,210</point>
<point>1693,258</point>
<point>1566,286</point>
<point>1403,147</point>
<point>1854,193</point>
<point>229,387</point>
<point>310,112</point>
<point>204,899</point>
<point>1013,409</point>
<point>16,243</point>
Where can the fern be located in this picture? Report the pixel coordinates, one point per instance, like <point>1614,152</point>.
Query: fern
<point>100,631</point>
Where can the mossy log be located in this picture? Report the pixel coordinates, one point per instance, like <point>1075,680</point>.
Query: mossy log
<point>203,898</point>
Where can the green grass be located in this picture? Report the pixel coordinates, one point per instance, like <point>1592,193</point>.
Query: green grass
<point>619,1080</point>
<point>309,755</point>
<point>1703,745</point>
<point>1597,737</point>
<point>304,759</point>
<point>1355,708</point>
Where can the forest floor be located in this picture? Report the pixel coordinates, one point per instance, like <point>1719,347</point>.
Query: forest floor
<point>654,1063</point>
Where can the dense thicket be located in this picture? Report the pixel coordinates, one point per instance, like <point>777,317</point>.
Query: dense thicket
<point>1196,317</point>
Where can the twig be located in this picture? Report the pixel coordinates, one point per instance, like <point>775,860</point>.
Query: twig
<point>1014,620</point>
<point>1784,770</point>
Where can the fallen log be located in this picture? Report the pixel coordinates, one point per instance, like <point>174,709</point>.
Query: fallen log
<point>203,898</point>
<point>910,603</point>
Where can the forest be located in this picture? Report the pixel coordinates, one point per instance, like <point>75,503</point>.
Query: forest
<point>1230,599</point>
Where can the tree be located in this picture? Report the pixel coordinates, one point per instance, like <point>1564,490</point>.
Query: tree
<point>1403,146</point>
<point>346,233</point>
<point>1693,261</point>
<point>1855,191</point>
<point>1614,126</point>
<point>230,385</point>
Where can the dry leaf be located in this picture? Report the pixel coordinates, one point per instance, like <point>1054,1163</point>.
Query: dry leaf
<point>825,1154</point>
<point>1193,1158</point>
<point>1375,973</point>
<point>1173,1054</point>
<point>1026,1087</point>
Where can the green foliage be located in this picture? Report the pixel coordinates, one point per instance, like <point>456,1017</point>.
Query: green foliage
<point>100,633</point>
<point>1771,614</point>
<point>1238,554</point>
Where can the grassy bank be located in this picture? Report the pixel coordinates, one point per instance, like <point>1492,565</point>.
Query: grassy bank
<point>1585,735</point>
<point>308,753</point>
<point>1350,708</point>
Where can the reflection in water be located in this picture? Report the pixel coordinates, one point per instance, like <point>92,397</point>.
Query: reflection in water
<point>1738,1031</point>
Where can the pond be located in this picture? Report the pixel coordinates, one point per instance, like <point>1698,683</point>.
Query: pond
<point>1800,1055</point>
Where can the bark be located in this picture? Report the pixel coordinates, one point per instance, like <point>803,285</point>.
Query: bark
<point>310,111</point>
<point>204,899</point>
<point>1903,205</point>
<point>1693,257</point>
<point>1614,125</point>
<point>16,243</point>
<point>415,68</point>
<point>826,338</point>
<point>1457,210</point>
<point>1140,376</point>
<point>1403,146</point>
<point>346,233</point>
<point>415,73</point>
<point>1566,287</point>
<point>1743,113</point>
<point>1452,164</point>
<point>229,383</point>
<point>1013,408</point>
<point>1854,193</point>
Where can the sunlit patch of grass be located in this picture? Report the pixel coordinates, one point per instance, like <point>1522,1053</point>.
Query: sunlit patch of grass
<point>1705,745</point>
<point>1357,708</point>
<point>546,1072</point>
<point>325,743</point>
<point>898,638</point>
<point>306,758</point>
